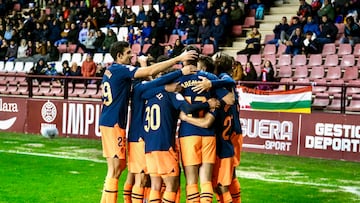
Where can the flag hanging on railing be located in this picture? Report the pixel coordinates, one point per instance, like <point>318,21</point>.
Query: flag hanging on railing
<point>294,101</point>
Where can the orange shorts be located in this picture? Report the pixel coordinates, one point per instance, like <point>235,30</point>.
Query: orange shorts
<point>198,149</point>
<point>113,141</point>
<point>136,158</point>
<point>237,141</point>
<point>163,163</point>
<point>223,171</point>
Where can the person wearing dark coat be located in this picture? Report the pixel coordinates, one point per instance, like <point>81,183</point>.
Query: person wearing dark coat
<point>328,32</point>
<point>155,50</point>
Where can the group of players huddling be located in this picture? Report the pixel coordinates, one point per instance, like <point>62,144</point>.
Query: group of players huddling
<point>209,136</point>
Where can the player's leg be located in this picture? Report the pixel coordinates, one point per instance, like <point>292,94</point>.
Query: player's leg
<point>113,143</point>
<point>206,168</point>
<point>235,189</point>
<point>130,179</point>
<point>222,178</point>
<point>155,194</point>
<point>191,159</point>
<point>138,190</point>
<point>172,185</point>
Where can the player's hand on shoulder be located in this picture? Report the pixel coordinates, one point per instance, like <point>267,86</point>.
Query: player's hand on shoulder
<point>189,69</point>
<point>203,85</point>
<point>213,103</point>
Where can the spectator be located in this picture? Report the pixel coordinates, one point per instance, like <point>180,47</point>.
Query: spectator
<point>294,45</point>
<point>156,32</point>
<point>178,6</point>
<point>328,10</point>
<point>169,24</point>
<point>328,31</point>
<point>180,24</point>
<point>110,38</point>
<point>66,71</point>
<point>210,10</point>
<point>3,49</point>
<point>217,33</point>
<point>311,26</point>
<point>351,32</point>
<point>37,33</point>
<point>236,15</point>
<point>168,50</point>
<point>304,11</point>
<point>286,35</point>
<point>64,35</point>
<point>100,37</point>
<point>267,75</point>
<point>8,34</point>
<point>21,52</point>
<point>249,74</point>
<point>83,33</point>
<point>88,68</point>
<point>192,30</point>
<point>132,37</point>
<point>75,71</point>
<point>53,52</point>
<point>104,16</point>
<point>190,7</point>
<point>200,9</point>
<point>54,31</point>
<point>178,48</point>
<point>252,43</point>
<point>146,33</point>
<point>100,70</point>
<point>203,36</point>
<point>11,52</point>
<point>283,26</point>
<point>50,71</point>
<point>39,69</point>
<point>152,13</point>
<point>72,37</point>
<point>30,51</point>
<point>130,18</point>
<point>155,50</point>
<point>310,46</point>
<point>141,17</point>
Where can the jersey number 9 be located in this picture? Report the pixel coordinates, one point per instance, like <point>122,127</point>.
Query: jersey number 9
<point>106,94</point>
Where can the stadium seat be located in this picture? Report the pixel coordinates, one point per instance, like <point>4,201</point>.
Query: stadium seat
<point>72,47</point>
<point>283,87</point>
<point>136,49</point>
<point>354,104</point>
<point>242,58</point>
<point>335,104</point>
<point>19,66</point>
<point>284,72</point>
<point>66,57</point>
<point>317,72</point>
<point>321,100</point>
<point>3,88</point>
<point>256,59</point>
<point>269,49</point>
<point>299,60</point>
<point>208,49</point>
<point>258,70</point>
<point>145,48</point>
<point>123,33</point>
<point>328,49</point>
<point>249,22</point>
<point>23,89</point>
<point>281,49</point>
<point>11,89</point>
<point>319,85</point>
<point>271,58</point>
<point>331,60</point>
<point>300,72</point>
<point>2,66</point>
<point>341,27</point>
<point>108,58</point>
<point>115,29</point>
<point>172,39</point>
<point>284,60</point>
<point>90,91</point>
<point>27,66</point>
<point>351,73</point>
<point>236,30</point>
<point>301,80</point>
<point>315,60</point>
<point>9,66</point>
<point>62,48</point>
<point>76,58</point>
<point>344,49</point>
<point>347,60</point>
<point>356,51</point>
<point>353,90</point>
<point>268,37</point>
<point>79,90</point>
<point>335,90</point>
<point>98,57</point>
<point>333,73</point>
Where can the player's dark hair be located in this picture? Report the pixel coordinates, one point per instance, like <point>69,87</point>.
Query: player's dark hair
<point>192,48</point>
<point>208,63</point>
<point>223,63</point>
<point>118,48</point>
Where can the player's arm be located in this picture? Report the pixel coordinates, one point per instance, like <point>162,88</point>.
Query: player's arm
<point>206,84</point>
<point>204,122</point>
<point>161,66</point>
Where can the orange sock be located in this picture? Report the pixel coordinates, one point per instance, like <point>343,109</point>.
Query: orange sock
<point>147,193</point>
<point>137,195</point>
<point>155,196</point>
<point>226,197</point>
<point>235,190</point>
<point>169,197</point>
<point>110,191</point>
<point>192,193</point>
<point>178,196</point>
<point>207,192</point>
<point>127,193</point>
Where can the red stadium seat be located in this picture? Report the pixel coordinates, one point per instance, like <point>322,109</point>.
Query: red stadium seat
<point>249,22</point>
<point>321,100</point>
<point>173,38</point>
<point>284,60</point>
<point>328,49</point>
<point>271,58</point>
<point>236,30</point>
<point>283,87</point>
<point>315,60</point>
<point>353,90</point>
<point>331,60</point>
<point>356,50</point>
<point>281,50</point>
<point>284,72</point>
<point>268,37</point>
<point>344,49</point>
<point>318,85</point>
<point>256,59</point>
<point>301,80</point>
<point>347,60</point>
<point>317,72</point>
<point>242,58</point>
<point>300,72</point>
<point>335,104</point>
<point>269,49</point>
<point>145,48</point>
<point>335,90</point>
<point>354,104</point>
<point>333,73</point>
<point>351,73</point>
<point>299,60</point>
<point>136,49</point>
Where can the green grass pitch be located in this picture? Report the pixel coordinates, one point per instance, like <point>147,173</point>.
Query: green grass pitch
<point>37,169</point>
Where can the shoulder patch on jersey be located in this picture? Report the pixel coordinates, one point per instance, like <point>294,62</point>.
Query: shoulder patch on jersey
<point>131,68</point>
<point>179,97</point>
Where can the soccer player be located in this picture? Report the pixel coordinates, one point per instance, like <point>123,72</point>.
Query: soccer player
<point>113,119</point>
<point>136,158</point>
<point>197,144</point>
<point>223,67</point>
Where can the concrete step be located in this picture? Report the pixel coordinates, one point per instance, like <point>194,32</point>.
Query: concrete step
<point>275,18</point>
<point>284,10</point>
<point>266,27</point>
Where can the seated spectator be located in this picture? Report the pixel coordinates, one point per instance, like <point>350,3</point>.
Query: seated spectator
<point>311,26</point>
<point>132,37</point>
<point>100,70</point>
<point>21,52</point>
<point>100,37</point>
<point>72,36</point>
<point>156,32</point>
<point>3,49</point>
<point>282,26</point>
<point>252,43</point>
<point>64,35</point>
<point>114,19</point>
<point>192,31</point>
<point>75,71</point>
<point>11,52</point>
<point>50,71</point>
<point>66,71</point>
<point>178,6</point>
<point>141,17</point>
<point>304,11</point>
<point>178,48</point>
<point>168,50</point>
<point>88,44</point>
<point>130,18</point>
<point>328,10</point>
<point>328,31</point>
<point>180,24</point>
<point>39,69</point>
<point>217,33</point>
<point>53,52</point>
<point>88,68</point>
<point>249,74</point>
<point>310,46</point>
<point>155,50</point>
<point>145,33</point>
<point>203,35</point>
<point>110,38</point>
<point>294,45</point>
<point>351,32</point>
<point>236,15</point>
<point>267,75</point>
